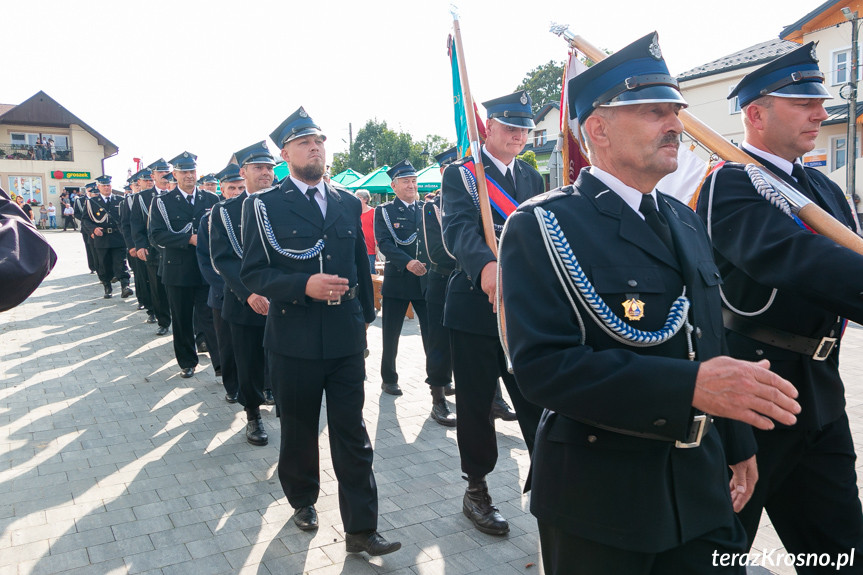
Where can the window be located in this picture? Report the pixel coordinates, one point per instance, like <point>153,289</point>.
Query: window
<point>539,138</point>
<point>28,186</point>
<point>842,66</point>
<point>839,151</point>
<point>61,141</point>
<point>733,103</point>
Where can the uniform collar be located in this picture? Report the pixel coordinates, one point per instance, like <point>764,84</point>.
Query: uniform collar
<point>780,163</point>
<point>500,165</point>
<point>630,196</point>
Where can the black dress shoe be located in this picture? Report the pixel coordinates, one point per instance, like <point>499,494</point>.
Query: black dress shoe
<point>371,542</point>
<point>477,507</point>
<point>500,409</point>
<point>391,388</point>
<point>202,347</point>
<point>255,432</point>
<point>231,397</point>
<point>449,389</point>
<point>163,330</point>
<point>151,318</point>
<point>440,410</point>
<point>268,397</point>
<point>306,518</point>
<point>187,372</point>
<point>126,292</point>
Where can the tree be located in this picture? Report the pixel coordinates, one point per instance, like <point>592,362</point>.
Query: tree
<point>543,83</point>
<point>529,157</point>
<point>376,146</point>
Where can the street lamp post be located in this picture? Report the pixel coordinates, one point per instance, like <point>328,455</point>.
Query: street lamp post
<point>851,147</point>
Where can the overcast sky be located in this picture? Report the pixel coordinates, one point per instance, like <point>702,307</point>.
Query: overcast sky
<point>211,77</point>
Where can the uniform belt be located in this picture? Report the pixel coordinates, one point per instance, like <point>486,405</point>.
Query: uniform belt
<point>817,349</point>
<point>701,424</point>
<point>442,270</point>
<point>347,296</point>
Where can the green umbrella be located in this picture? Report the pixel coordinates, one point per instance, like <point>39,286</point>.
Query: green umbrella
<point>347,177</point>
<point>378,182</point>
<point>429,179</point>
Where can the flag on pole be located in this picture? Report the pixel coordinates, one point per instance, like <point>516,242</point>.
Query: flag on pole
<point>458,105</point>
<point>574,153</point>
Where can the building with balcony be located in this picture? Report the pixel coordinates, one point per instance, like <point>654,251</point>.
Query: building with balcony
<point>43,172</point>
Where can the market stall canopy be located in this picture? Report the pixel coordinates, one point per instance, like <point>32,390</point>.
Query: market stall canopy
<point>282,170</point>
<point>347,177</point>
<point>378,182</point>
<point>429,179</point>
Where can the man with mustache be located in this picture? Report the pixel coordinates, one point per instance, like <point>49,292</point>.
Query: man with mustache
<point>303,249</point>
<point>788,294</point>
<point>615,328</point>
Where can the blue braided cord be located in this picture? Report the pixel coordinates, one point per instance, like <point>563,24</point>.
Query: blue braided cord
<point>232,237</point>
<point>406,242</point>
<point>470,184</point>
<point>308,254</point>
<point>676,315</point>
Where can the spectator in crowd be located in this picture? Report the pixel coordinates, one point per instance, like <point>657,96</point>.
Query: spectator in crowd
<point>40,151</point>
<point>52,216</point>
<point>68,212</point>
<point>368,219</point>
<point>51,149</point>
<point>26,207</point>
<point>43,217</point>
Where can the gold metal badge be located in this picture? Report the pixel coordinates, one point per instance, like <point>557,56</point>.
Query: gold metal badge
<point>634,309</point>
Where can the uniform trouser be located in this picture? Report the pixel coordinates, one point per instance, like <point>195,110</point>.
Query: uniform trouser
<point>566,554</point>
<point>478,361</point>
<point>142,282</point>
<point>182,301</point>
<point>70,220</point>
<point>225,342</point>
<point>158,296</point>
<point>808,485</point>
<point>251,363</point>
<point>298,386</point>
<point>111,263</point>
<point>393,311</point>
<point>438,353</point>
<point>88,248</point>
<point>203,319</point>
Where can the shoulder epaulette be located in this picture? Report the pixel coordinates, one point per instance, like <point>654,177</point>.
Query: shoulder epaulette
<point>462,161</point>
<point>265,190</point>
<point>549,196</point>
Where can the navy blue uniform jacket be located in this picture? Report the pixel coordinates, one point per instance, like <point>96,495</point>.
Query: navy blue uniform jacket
<point>467,306</point>
<point>758,248</point>
<point>631,492</point>
<point>398,281</point>
<point>216,295</point>
<point>297,326</point>
<point>95,209</point>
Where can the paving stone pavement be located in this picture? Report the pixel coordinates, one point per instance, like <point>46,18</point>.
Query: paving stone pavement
<point>111,464</point>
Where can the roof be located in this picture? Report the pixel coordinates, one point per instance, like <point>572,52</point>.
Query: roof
<point>839,114</point>
<point>789,30</point>
<point>44,111</point>
<point>752,56</point>
<point>543,112</point>
<point>546,148</point>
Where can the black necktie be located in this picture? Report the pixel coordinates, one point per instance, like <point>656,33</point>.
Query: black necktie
<point>311,195</point>
<point>656,221</point>
<point>509,178</point>
<point>189,199</point>
<point>800,175</point>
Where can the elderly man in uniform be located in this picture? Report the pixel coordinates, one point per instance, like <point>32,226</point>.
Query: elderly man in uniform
<point>788,294</point>
<point>101,221</point>
<point>210,182</point>
<point>152,181</point>
<point>303,249</point>
<point>397,226</point>
<point>618,339</point>
<point>232,186</point>
<point>245,312</point>
<point>174,219</point>
<point>477,356</point>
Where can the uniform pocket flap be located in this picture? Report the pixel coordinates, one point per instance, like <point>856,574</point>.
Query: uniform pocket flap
<point>710,273</point>
<point>627,279</point>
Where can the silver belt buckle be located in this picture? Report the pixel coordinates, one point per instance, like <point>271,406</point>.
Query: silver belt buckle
<point>335,302</point>
<point>824,348</point>
<point>110,230</point>
<point>701,421</point>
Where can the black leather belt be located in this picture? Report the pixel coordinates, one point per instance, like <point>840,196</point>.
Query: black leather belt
<point>817,349</point>
<point>109,230</point>
<point>347,296</point>
<point>444,271</point>
<point>701,424</point>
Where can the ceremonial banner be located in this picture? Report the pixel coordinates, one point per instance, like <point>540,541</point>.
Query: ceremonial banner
<point>458,105</point>
<point>686,180</point>
<point>574,153</point>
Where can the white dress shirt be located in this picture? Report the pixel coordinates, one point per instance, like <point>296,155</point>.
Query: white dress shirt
<point>320,197</point>
<point>630,196</point>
